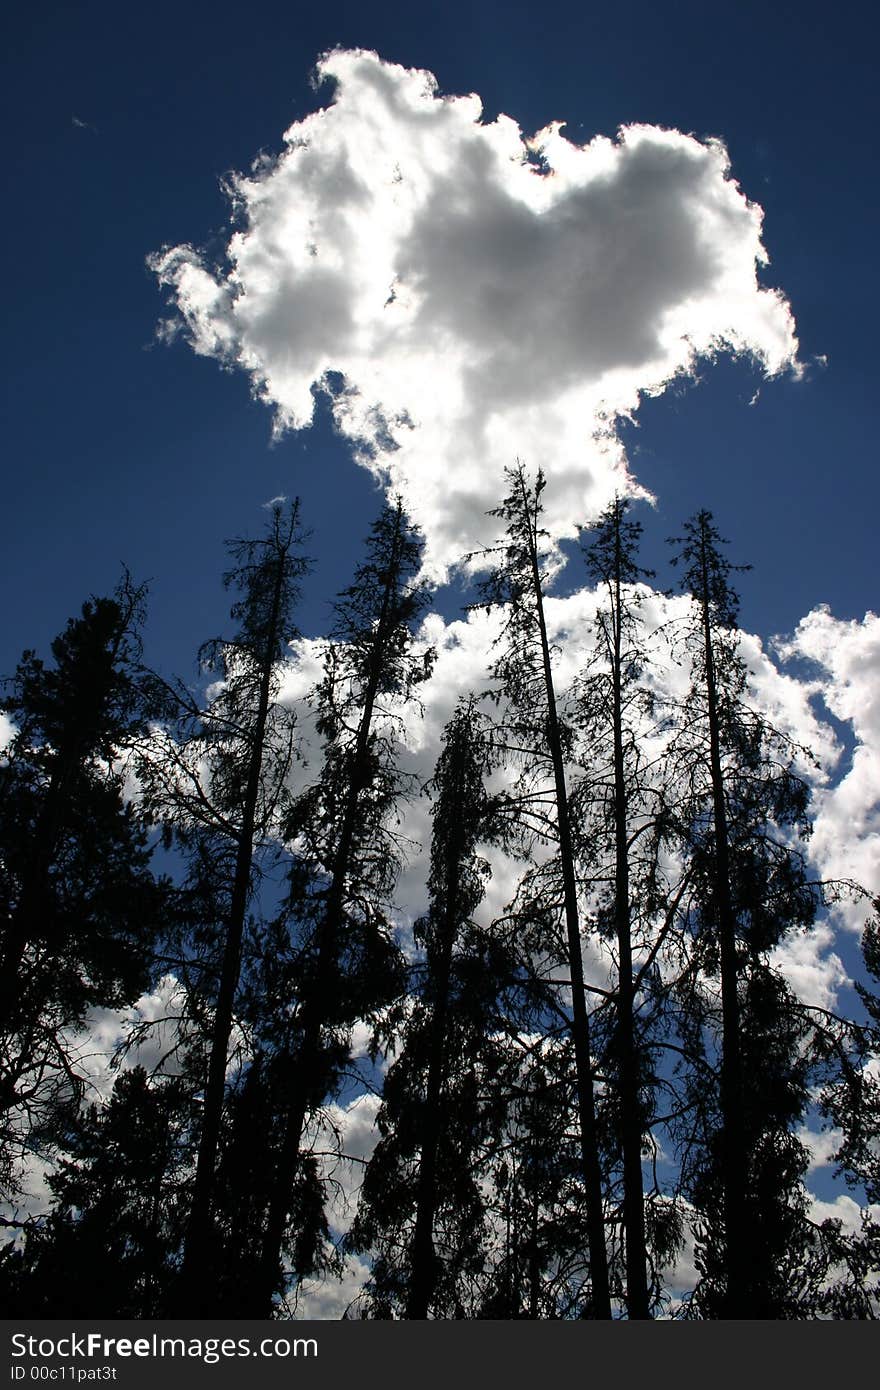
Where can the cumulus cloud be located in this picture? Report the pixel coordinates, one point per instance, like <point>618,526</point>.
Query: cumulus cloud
<point>844,1210</point>
<point>330,1299</point>
<point>467,294</point>
<point>845,657</point>
<point>822,1146</point>
<point>146,1034</point>
<point>463,651</point>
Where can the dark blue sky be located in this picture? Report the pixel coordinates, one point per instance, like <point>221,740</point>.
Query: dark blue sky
<point>120,449</point>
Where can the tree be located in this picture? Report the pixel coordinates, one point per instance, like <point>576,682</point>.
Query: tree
<point>849,1284</point>
<point>221,782</point>
<point>744,819</point>
<point>614,708</point>
<point>250,1138</point>
<point>110,1245</point>
<point>421,1208</point>
<point>524,672</point>
<point>79,908</point>
<point>344,962</point>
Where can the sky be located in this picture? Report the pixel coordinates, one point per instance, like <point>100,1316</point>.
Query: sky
<point>633,245</point>
<point>121,128</point>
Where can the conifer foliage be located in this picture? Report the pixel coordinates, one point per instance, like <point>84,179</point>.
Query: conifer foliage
<point>344,963</point>
<point>524,672</point>
<point>221,783</point>
<point>421,1208</point>
<point>109,1246</point>
<point>745,820</point>
<point>79,907</point>
<point>572,1076</point>
<point>622,827</point>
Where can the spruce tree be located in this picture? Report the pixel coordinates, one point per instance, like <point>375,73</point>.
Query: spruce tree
<point>620,814</point>
<point>421,1211</point>
<point>745,819</point>
<point>219,780</point>
<point>538,740</point>
<point>344,964</point>
<point>110,1245</point>
<point>79,907</point>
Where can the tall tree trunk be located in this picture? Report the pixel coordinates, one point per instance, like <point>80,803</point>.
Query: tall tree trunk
<point>306,1064</point>
<point>580,1027</point>
<point>422,1277</point>
<point>734,1156</point>
<point>195,1291</point>
<point>631,1128</point>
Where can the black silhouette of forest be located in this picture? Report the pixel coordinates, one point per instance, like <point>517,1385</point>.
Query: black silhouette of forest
<point>591,1073</point>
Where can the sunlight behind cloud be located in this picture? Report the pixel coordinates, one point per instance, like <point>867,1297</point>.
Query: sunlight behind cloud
<point>466,295</point>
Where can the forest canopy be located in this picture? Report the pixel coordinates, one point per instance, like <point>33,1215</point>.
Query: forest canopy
<point>295,1021</point>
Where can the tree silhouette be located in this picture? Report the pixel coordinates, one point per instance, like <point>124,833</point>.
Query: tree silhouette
<point>111,1243</point>
<point>421,1212</point>
<point>621,805</point>
<point>745,815</point>
<point>221,782</point>
<point>524,673</point>
<point>79,908</point>
<point>344,963</point>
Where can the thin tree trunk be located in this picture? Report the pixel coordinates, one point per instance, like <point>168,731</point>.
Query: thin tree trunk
<point>580,1028</point>
<point>637,1301</point>
<point>307,1061</point>
<point>422,1277</point>
<point>195,1292</point>
<point>737,1302</point>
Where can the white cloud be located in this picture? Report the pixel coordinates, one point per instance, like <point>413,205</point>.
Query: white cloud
<point>811,966</point>
<point>842,1209</point>
<point>477,308</point>
<point>822,1145</point>
<point>463,654</point>
<point>146,1034</point>
<point>846,657</point>
<point>329,1299</point>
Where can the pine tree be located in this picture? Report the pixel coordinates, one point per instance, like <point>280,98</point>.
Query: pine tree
<point>621,815</point>
<point>745,820</point>
<point>344,962</point>
<point>524,672</point>
<point>220,781</point>
<point>421,1211</point>
<point>79,908</point>
<point>110,1244</point>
